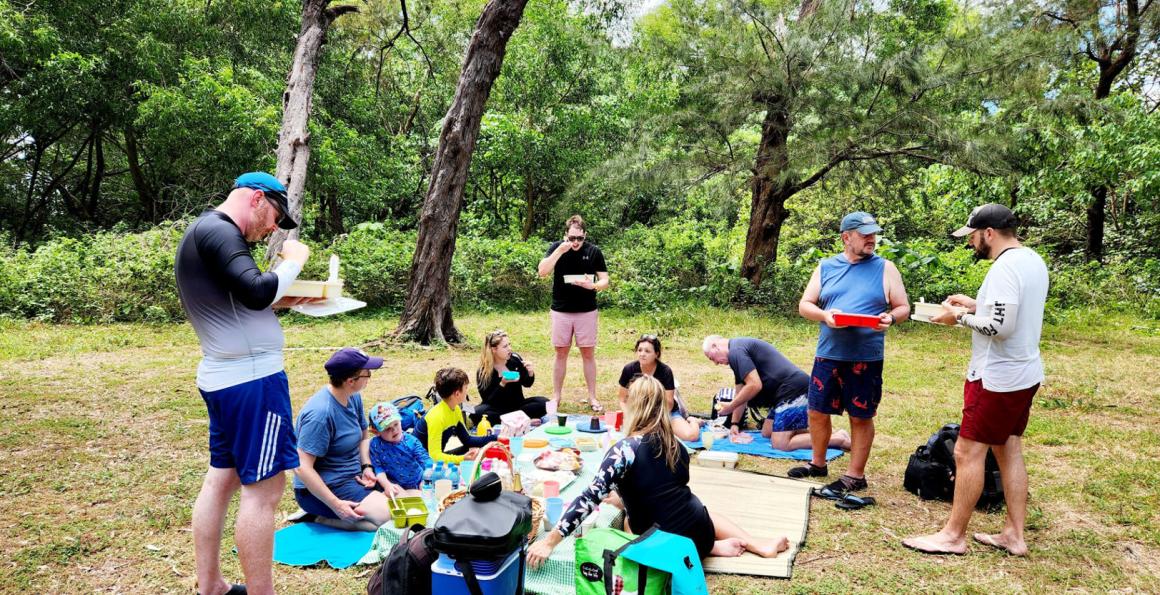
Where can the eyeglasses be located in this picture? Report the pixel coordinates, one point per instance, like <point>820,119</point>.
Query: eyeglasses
<point>360,376</point>
<point>575,238</point>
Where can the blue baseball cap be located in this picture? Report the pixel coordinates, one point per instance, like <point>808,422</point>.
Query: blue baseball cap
<point>860,222</point>
<point>275,193</point>
<point>348,360</point>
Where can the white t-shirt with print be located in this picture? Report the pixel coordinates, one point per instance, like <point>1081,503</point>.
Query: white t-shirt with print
<point>1018,278</point>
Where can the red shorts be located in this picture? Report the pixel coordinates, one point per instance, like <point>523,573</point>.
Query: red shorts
<point>566,325</point>
<point>991,417</point>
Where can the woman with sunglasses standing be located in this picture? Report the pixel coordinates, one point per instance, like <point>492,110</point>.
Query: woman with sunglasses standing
<point>499,394</point>
<point>648,363</point>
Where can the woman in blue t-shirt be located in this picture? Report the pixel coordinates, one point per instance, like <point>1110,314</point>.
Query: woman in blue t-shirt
<point>335,481</point>
<point>648,362</point>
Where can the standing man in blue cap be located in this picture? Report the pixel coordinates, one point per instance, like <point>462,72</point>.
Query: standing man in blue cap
<point>847,372</point>
<point>229,302</point>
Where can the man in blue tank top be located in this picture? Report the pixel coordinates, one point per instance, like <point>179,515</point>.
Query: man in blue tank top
<point>847,372</point>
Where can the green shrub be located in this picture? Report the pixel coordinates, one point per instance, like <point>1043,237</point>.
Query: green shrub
<point>112,277</point>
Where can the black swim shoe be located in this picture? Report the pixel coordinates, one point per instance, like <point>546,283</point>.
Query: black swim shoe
<point>809,470</point>
<point>837,489</point>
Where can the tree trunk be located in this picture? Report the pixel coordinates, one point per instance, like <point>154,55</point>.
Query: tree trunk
<point>329,215</point>
<point>427,312</point>
<point>530,212</point>
<point>145,193</point>
<point>1094,248</point>
<point>767,212</point>
<point>294,137</point>
<point>1111,65</point>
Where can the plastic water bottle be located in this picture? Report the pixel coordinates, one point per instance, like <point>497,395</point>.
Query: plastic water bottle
<point>453,475</point>
<point>440,472</point>
<point>428,486</point>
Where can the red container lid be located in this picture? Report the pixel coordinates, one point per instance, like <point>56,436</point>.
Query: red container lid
<point>856,320</point>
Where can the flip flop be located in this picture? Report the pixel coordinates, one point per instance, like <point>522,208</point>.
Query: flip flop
<point>931,550</point>
<point>853,502</point>
<point>596,407</point>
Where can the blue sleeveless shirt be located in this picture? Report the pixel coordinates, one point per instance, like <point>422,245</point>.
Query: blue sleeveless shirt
<point>854,289</point>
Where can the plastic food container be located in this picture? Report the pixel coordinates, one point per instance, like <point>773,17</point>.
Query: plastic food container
<point>315,289</point>
<point>403,515</point>
<point>716,458</point>
<point>856,320</point>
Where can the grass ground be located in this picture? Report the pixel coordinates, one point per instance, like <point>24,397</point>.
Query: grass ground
<point>104,436</point>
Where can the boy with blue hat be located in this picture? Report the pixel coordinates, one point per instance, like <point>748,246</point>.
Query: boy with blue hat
<point>398,457</point>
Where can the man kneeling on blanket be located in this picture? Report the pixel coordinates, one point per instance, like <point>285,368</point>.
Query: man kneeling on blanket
<point>766,378</point>
<point>650,470</point>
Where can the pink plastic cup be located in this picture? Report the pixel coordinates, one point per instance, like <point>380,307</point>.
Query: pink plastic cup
<point>551,489</point>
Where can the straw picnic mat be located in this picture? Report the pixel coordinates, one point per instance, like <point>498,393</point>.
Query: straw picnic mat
<point>764,506</point>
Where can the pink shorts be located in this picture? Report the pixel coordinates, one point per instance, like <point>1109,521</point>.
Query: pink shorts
<point>567,324</point>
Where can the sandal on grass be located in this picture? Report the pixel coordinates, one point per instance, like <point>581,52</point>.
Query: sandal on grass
<point>837,489</point>
<point>596,406</point>
<point>853,502</point>
<point>808,470</point>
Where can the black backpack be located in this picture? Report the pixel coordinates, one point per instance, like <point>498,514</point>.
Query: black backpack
<point>930,473</point>
<point>407,568</point>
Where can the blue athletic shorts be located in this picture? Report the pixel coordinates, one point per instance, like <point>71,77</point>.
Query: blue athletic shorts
<point>790,415</point>
<point>251,428</point>
<point>853,387</point>
<point>347,489</point>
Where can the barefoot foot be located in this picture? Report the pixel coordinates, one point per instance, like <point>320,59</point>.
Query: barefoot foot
<point>937,543</point>
<point>769,548</point>
<point>728,548</point>
<point>1015,547</point>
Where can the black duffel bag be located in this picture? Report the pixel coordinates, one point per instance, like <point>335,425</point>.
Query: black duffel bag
<point>487,524</point>
<point>930,472</point>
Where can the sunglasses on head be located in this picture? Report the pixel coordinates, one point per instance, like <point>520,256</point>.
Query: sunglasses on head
<point>648,337</point>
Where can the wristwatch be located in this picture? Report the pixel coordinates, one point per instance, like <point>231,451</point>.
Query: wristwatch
<point>366,466</point>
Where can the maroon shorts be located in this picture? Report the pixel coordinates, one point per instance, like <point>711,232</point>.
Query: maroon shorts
<point>991,417</point>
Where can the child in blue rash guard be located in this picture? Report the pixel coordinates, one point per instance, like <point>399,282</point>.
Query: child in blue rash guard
<point>398,457</point>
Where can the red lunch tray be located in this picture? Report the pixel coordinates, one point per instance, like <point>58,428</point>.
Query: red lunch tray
<point>856,320</point>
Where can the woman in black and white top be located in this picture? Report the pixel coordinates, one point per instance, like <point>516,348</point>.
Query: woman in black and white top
<point>648,362</point>
<point>649,469</point>
<point>499,394</point>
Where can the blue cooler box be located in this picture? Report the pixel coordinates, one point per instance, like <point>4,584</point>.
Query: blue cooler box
<point>497,577</point>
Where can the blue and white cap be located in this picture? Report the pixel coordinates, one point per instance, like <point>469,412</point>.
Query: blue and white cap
<point>860,222</point>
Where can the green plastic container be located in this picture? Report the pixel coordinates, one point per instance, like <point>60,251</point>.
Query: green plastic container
<point>400,516</point>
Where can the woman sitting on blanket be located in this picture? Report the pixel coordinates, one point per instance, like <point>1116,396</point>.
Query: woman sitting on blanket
<point>648,362</point>
<point>500,395</point>
<point>335,481</point>
<point>650,470</point>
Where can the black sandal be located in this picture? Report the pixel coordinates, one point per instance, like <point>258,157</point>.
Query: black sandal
<point>809,470</point>
<point>853,502</point>
<point>837,489</point>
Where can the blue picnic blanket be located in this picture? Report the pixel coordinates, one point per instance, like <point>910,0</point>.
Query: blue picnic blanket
<point>305,544</point>
<point>760,447</point>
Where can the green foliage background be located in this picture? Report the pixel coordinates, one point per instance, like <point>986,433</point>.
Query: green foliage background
<point>120,120</point>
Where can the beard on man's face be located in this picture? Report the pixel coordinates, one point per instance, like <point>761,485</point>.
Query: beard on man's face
<point>982,249</point>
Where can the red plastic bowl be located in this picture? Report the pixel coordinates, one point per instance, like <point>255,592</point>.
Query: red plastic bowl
<point>856,320</point>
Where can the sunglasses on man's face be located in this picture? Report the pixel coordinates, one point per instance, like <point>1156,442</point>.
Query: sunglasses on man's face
<point>575,238</point>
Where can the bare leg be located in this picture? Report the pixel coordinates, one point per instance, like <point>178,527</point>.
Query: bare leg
<point>970,457</point>
<point>363,525</point>
<point>791,440</point>
<point>589,356</point>
<point>732,541</point>
<point>209,519</point>
<point>1014,474</point>
<point>559,370</point>
<point>820,429</point>
<point>254,532</point>
<point>687,429</point>
<point>862,439</point>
